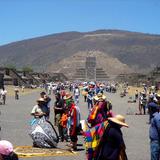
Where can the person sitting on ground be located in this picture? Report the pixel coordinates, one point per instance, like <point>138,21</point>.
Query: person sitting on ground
<point>40,109</point>
<point>6,151</point>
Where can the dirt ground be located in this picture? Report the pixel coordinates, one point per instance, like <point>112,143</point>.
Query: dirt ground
<point>10,90</point>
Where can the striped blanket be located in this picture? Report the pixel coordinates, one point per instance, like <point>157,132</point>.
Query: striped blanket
<point>93,137</point>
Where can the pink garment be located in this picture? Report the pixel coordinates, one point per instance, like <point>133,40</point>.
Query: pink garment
<point>5,147</point>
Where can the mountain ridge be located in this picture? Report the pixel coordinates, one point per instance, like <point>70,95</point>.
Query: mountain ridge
<point>139,51</point>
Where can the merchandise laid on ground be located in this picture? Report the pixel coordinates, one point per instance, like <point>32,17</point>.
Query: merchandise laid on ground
<point>29,151</point>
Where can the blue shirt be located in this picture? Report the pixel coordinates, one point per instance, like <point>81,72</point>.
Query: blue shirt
<point>154,131</point>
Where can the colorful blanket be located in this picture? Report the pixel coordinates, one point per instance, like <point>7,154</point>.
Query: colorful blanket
<point>93,137</point>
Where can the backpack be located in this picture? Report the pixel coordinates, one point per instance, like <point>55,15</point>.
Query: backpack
<point>93,136</point>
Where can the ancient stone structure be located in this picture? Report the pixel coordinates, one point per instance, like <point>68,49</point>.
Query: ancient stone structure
<point>90,68</point>
<point>90,72</point>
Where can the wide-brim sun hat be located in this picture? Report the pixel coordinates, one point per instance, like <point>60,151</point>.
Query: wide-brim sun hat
<point>67,96</point>
<point>5,147</point>
<point>100,96</point>
<point>40,100</point>
<point>119,119</point>
<point>158,95</point>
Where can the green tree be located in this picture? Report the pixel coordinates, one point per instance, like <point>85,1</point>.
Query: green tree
<point>27,69</point>
<point>10,66</point>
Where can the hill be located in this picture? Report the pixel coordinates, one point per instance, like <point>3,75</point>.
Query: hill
<point>137,51</point>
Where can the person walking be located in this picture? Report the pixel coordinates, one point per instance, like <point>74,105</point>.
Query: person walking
<point>142,103</point>
<point>16,91</point>
<point>3,95</point>
<point>76,94</point>
<point>90,100</point>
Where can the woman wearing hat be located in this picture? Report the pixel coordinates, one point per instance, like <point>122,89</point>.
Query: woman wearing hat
<point>6,151</point>
<point>40,109</point>
<point>112,145</point>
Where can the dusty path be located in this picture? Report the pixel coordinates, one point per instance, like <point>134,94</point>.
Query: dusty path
<point>16,115</point>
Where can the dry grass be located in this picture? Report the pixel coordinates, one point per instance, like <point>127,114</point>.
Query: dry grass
<point>10,90</point>
<point>131,90</point>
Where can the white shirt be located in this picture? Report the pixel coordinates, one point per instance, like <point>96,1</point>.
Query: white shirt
<point>3,92</point>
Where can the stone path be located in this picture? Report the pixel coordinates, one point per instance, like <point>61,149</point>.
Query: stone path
<point>15,116</point>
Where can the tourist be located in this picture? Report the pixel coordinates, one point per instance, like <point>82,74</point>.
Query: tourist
<point>154,134</point>
<point>142,103</point>
<point>16,91</point>
<point>84,93</point>
<point>3,94</point>
<point>90,100</point>
<point>76,94</point>
<point>58,111</point>
<point>6,151</point>
<point>112,146</point>
<point>136,94</point>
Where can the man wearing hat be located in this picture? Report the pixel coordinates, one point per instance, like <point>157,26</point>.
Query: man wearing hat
<point>73,114</point>
<point>112,145</point>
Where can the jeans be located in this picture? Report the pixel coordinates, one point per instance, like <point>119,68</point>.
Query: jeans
<point>155,150</point>
<point>90,105</point>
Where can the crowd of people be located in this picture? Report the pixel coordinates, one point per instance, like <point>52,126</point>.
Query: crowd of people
<point>101,128</point>
<point>67,119</point>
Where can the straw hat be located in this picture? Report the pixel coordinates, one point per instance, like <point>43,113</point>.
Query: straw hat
<point>40,100</point>
<point>99,97</point>
<point>67,96</point>
<point>158,95</point>
<point>119,119</point>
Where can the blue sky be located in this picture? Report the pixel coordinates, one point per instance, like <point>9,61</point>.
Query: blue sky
<point>23,19</point>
